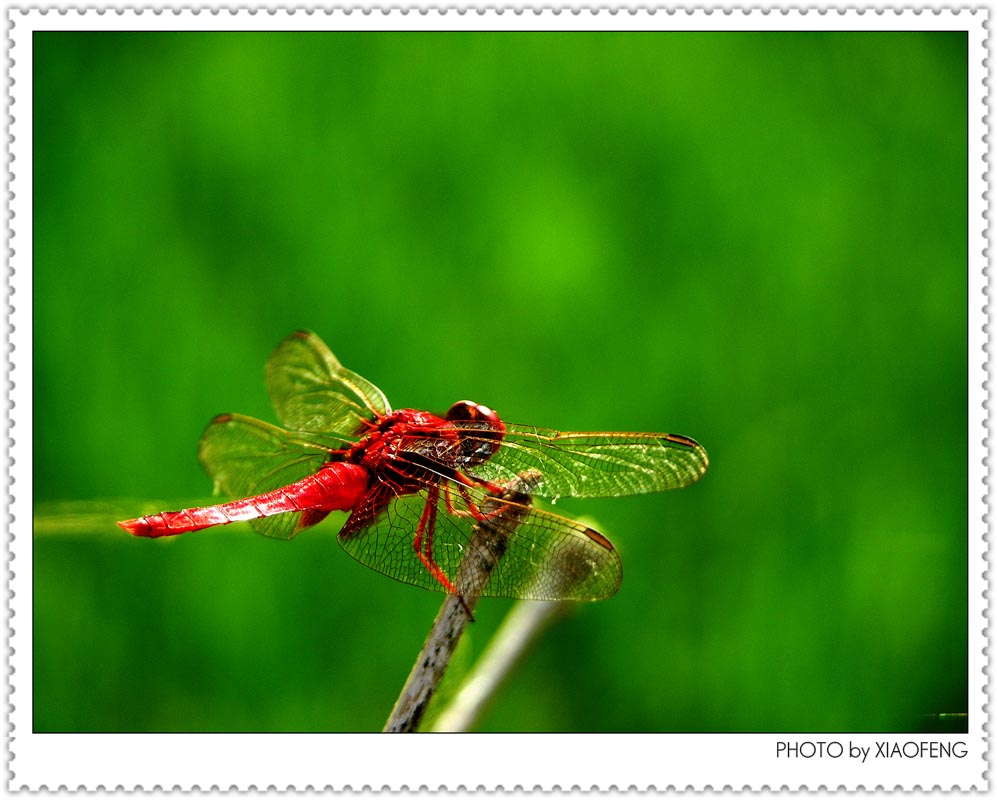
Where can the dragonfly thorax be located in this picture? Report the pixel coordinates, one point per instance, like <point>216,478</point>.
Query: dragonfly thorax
<point>404,443</point>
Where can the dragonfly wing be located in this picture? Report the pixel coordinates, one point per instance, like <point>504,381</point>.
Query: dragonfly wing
<point>311,391</point>
<point>537,555</point>
<point>594,464</point>
<point>247,457</point>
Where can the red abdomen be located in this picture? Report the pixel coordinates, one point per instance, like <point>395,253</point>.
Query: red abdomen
<point>338,486</point>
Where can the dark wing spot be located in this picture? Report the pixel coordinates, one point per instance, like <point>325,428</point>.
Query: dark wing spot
<point>677,438</point>
<point>598,538</point>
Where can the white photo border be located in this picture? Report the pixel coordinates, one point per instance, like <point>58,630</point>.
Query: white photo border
<point>342,761</point>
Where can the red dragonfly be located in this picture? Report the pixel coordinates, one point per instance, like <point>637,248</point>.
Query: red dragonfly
<point>418,485</point>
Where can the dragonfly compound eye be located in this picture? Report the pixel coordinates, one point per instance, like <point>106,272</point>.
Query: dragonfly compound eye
<point>481,430</point>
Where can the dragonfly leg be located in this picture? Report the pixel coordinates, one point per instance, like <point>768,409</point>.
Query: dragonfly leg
<point>423,544</point>
<point>473,509</point>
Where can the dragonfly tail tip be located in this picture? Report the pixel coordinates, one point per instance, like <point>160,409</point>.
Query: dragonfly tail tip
<point>136,527</point>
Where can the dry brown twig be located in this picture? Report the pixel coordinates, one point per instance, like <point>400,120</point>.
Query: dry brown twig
<point>520,629</point>
<point>486,547</point>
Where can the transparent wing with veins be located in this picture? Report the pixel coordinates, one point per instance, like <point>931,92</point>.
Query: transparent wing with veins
<point>246,457</point>
<point>591,464</point>
<point>543,556</point>
<point>311,391</point>
<point>325,407</point>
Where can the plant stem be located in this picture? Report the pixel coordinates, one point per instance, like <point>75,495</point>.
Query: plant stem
<point>521,627</point>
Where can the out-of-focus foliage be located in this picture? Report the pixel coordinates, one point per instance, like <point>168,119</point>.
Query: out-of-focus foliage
<point>758,240</point>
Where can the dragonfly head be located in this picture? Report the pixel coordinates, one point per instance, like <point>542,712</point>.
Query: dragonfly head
<point>480,431</point>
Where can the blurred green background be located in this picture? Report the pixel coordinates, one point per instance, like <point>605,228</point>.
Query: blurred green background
<point>757,240</point>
